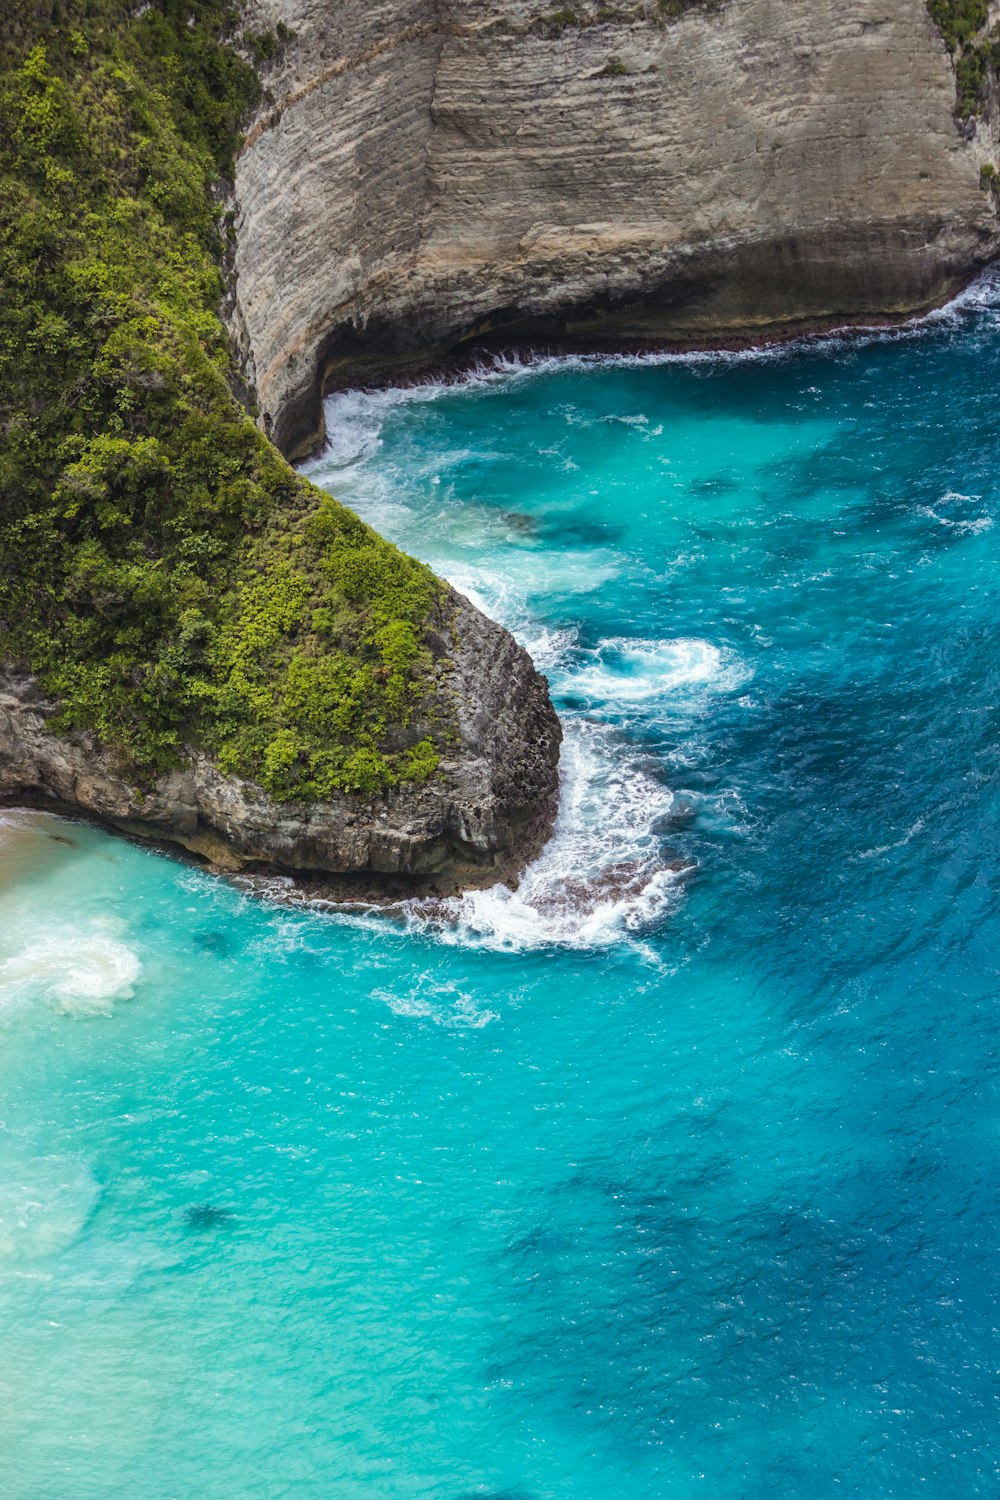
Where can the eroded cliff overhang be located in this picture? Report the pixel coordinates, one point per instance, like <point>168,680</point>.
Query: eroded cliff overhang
<point>427,173</point>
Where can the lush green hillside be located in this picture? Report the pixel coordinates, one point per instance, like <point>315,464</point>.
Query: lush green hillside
<point>163,571</point>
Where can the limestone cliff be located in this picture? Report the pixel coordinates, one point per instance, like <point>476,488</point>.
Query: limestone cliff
<point>427,172</point>
<point>195,643</point>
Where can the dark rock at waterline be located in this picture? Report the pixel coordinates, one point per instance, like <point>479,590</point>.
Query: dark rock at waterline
<point>206,1216</point>
<point>485,813</point>
<point>212,940</point>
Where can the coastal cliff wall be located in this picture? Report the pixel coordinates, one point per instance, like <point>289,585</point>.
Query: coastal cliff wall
<point>424,174</point>
<point>197,645</point>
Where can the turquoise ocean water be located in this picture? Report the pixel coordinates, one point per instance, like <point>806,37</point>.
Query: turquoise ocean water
<point>635,1183</point>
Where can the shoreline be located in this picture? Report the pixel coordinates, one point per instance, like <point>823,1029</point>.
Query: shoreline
<point>358,896</point>
<point>454,367</point>
<point>363,892</point>
<point>360,891</point>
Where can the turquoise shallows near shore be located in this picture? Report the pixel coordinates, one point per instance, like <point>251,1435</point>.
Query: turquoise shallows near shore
<point>640,1181</point>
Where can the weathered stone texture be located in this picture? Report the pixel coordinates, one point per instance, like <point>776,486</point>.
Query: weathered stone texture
<point>428,172</point>
<point>489,809</point>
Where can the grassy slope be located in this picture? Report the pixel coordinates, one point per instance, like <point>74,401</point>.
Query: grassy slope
<point>162,569</point>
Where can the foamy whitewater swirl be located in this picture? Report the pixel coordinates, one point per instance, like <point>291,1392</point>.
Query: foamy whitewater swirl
<point>603,874</point>
<point>79,973</point>
<point>606,873</point>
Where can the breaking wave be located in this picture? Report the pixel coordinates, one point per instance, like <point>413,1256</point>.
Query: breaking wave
<point>608,873</point>
<point>605,873</point>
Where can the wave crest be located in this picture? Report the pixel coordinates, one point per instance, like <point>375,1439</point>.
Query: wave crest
<point>604,875</point>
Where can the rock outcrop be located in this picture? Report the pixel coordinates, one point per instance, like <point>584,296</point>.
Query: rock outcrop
<point>430,173</point>
<point>167,583</point>
<point>488,809</point>
<point>426,176</point>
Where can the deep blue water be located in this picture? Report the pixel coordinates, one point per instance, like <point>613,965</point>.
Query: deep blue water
<point>639,1182</point>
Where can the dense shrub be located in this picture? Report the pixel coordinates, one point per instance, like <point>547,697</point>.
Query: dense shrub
<point>164,572</point>
<point>958,20</point>
<point>976,58</point>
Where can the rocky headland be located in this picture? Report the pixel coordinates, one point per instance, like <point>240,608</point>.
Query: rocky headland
<point>197,646</point>
<point>487,809</point>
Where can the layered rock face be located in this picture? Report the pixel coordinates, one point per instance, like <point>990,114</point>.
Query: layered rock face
<point>433,175</point>
<point>479,819</point>
<point>187,595</point>
<point>436,171</point>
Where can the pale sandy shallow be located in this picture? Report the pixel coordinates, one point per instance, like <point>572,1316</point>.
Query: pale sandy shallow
<point>29,841</point>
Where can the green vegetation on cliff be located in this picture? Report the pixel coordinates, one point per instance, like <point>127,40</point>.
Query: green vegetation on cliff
<point>958,20</point>
<point>976,57</point>
<point>164,572</point>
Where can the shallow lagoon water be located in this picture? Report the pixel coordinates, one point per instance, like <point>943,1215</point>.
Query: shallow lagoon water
<point>641,1180</point>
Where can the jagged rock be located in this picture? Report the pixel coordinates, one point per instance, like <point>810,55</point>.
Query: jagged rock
<point>488,810</point>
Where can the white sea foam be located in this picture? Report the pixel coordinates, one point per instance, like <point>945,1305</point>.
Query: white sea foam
<point>878,850</point>
<point>80,973</point>
<point>969,526</point>
<point>602,876</point>
<point>45,1202</point>
<point>621,670</point>
<point>437,1000</point>
<point>974,528</point>
<point>18,821</point>
<point>497,595</point>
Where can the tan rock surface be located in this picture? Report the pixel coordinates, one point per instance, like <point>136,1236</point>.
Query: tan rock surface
<point>436,170</point>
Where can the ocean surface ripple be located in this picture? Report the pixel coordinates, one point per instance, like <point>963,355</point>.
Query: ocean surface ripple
<point>672,1173</point>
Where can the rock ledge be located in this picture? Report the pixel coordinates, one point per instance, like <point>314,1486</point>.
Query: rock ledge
<point>486,812</point>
